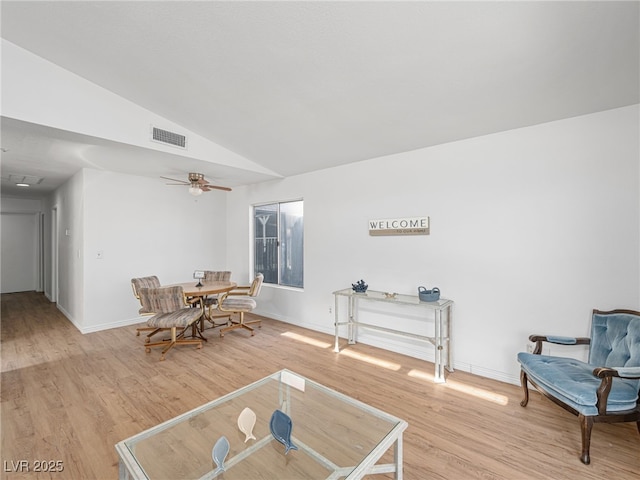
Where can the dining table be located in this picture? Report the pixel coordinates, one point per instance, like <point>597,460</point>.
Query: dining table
<point>199,292</point>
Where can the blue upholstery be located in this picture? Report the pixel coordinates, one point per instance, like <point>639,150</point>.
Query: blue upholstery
<point>574,383</point>
<point>562,340</point>
<point>615,343</point>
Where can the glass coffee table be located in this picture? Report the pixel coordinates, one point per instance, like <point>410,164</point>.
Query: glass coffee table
<point>336,437</point>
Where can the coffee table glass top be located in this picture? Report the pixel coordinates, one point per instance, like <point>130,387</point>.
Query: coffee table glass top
<point>337,436</point>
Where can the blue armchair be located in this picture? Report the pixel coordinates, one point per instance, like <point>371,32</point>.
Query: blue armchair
<point>606,389</point>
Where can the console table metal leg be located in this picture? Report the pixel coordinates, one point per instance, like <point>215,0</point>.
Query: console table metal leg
<point>449,355</point>
<point>439,373</point>
<point>352,326</point>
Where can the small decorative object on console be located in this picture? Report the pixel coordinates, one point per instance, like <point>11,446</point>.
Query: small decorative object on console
<point>281,426</point>
<point>390,295</point>
<point>360,286</point>
<point>432,295</point>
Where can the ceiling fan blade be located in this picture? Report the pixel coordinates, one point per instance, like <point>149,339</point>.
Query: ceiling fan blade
<point>180,182</point>
<point>202,181</point>
<point>217,187</point>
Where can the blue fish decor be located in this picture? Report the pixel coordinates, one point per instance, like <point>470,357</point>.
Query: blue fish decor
<point>219,454</point>
<point>281,426</point>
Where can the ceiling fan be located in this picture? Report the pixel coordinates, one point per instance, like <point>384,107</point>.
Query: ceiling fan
<point>197,184</point>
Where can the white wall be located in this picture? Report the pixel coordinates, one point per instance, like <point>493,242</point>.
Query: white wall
<point>143,227</point>
<point>20,205</point>
<point>530,230</point>
<point>70,204</point>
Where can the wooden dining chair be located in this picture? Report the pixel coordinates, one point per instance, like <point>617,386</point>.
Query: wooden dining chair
<point>239,301</point>
<point>173,312</point>
<point>211,301</point>
<point>136,284</point>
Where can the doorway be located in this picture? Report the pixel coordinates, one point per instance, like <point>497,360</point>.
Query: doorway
<point>20,247</point>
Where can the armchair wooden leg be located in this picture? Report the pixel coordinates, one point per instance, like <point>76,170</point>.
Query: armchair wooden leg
<point>586,424</point>
<point>523,381</point>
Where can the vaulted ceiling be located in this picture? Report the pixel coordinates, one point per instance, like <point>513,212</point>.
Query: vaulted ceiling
<point>302,86</point>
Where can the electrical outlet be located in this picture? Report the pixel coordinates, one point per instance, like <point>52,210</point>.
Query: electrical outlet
<point>330,309</point>
<point>530,347</point>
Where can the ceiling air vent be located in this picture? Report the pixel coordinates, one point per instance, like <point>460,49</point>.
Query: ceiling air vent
<point>168,138</point>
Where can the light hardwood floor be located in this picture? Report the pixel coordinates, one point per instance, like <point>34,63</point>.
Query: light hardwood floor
<point>70,397</point>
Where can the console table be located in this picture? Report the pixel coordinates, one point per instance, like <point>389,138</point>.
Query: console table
<point>441,309</point>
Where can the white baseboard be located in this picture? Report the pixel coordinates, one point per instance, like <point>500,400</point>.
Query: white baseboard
<point>68,315</point>
<point>103,326</point>
<point>107,326</point>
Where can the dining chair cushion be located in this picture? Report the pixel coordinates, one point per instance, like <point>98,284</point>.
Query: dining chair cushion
<point>239,304</point>
<point>180,318</point>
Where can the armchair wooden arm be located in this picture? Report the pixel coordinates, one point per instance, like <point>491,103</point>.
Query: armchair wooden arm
<point>538,339</point>
<point>607,374</point>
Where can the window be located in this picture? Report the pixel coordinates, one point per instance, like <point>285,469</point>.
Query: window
<point>278,232</point>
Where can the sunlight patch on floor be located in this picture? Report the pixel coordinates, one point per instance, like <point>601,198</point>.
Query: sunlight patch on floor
<point>307,340</point>
<point>369,359</point>
<point>480,393</point>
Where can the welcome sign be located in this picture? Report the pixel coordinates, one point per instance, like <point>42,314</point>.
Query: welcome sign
<point>399,226</point>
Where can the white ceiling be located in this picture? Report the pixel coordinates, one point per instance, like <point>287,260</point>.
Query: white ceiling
<point>302,86</point>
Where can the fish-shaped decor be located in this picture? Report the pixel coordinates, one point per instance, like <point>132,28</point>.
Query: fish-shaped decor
<point>281,426</point>
<point>219,454</point>
<point>246,422</point>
